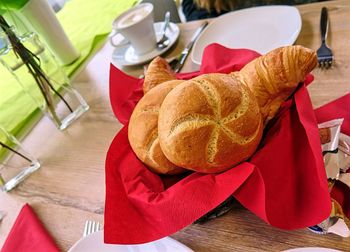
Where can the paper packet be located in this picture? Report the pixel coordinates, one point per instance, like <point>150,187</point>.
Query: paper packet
<point>335,224</point>
<point>329,134</point>
<point>336,156</point>
<point>344,152</point>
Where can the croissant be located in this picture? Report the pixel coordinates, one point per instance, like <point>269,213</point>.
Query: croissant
<point>143,130</point>
<point>157,72</point>
<point>274,76</point>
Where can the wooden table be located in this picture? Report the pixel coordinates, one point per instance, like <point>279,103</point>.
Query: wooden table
<point>69,188</point>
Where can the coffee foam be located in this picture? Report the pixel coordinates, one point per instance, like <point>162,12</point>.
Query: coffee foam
<point>134,16</point>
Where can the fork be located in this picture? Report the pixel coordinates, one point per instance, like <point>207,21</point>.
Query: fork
<point>324,53</point>
<point>91,227</point>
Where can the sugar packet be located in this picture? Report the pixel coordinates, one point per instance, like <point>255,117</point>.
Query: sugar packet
<point>336,156</point>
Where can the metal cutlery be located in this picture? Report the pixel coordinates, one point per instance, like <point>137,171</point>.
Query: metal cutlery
<point>324,53</point>
<point>91,227</point>
<point>164,40</point>
<point>177,63</point>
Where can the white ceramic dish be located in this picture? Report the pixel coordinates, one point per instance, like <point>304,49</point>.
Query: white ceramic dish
<point>94,243</point>
<point>259,28</point>
<point>126,56</point>
<point>312,249</point>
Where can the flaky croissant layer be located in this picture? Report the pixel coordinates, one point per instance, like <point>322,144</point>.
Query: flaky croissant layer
<point>158,72</point>
<point>274,76</point>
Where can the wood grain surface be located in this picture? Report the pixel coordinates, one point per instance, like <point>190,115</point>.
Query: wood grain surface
<point>69,188</point>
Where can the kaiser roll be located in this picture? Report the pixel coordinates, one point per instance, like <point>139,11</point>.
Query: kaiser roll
<point>143,130</point>
<point>209,124</point>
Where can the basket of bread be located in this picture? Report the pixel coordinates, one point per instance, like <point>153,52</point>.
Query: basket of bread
<point>242,126</point>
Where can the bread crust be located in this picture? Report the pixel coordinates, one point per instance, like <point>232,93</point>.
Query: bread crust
<point>214,121</point>
<point>143,130</point>
<point>274,76</point>
<point>209,124</point>
<point>158,71</point>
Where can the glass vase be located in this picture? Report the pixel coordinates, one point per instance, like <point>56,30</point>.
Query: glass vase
<point>57,98</point>
<point>15,163</point>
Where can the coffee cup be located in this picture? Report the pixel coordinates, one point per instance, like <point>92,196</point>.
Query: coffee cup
<point>136,25</point>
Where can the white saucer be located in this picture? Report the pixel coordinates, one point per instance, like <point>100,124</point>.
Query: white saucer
<point>94,242</point>
<point>126,56</point>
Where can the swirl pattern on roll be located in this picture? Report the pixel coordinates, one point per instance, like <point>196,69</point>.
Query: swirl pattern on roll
<point>209,123</point>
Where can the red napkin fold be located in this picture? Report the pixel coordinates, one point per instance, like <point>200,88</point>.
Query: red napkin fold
<point>339,108</point>
<point>28,234</point>
<point>284,183</point>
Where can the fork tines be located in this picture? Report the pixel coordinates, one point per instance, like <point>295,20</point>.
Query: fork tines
<point>91,227</point>
<point>324,53</point>
<point>324,56</point>
<point>325,61</point>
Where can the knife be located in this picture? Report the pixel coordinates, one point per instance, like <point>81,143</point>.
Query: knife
<point>186,51</point>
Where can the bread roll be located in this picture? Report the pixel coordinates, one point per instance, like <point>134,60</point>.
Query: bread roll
<point>209,124</point>
<point>143,130</point>
<point>273,77</point>
<point>157,72</point>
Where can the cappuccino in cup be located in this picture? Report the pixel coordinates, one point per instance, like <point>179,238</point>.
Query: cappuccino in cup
<point>137,26</point>
<point>134,16</point>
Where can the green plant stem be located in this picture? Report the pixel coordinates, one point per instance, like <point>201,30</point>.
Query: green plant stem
<point>48,100</point>
<point>30,60</point>
<point>39,72</point>
<point>14,151</point>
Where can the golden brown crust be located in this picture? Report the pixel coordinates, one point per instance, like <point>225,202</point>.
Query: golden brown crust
<point>209,124</point>
<point>158,72</point>
<point>214,121</point>
<point>143,130</point>
<point>273,77</point>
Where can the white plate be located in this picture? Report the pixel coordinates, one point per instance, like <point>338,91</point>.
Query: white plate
<point>126,56</point>
<point>94,243</point>
<point>312,249</point>
<point>259,28</point>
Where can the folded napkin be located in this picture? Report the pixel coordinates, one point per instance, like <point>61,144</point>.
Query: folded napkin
<point>28,234</point>
<point>284,183</point>
<point>338,109</point>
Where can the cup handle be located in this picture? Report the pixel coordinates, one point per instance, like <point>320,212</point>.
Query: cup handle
<point>122,43</point>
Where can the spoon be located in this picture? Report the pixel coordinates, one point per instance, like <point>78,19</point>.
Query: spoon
<point>164,40</point>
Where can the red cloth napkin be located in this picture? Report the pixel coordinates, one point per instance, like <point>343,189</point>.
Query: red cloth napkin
<point>28,234</point>
<point>284,183</point>
<point>339,108</point>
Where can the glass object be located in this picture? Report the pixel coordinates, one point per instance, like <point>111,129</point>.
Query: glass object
<point>15,163</point>
<point>57,99</point>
